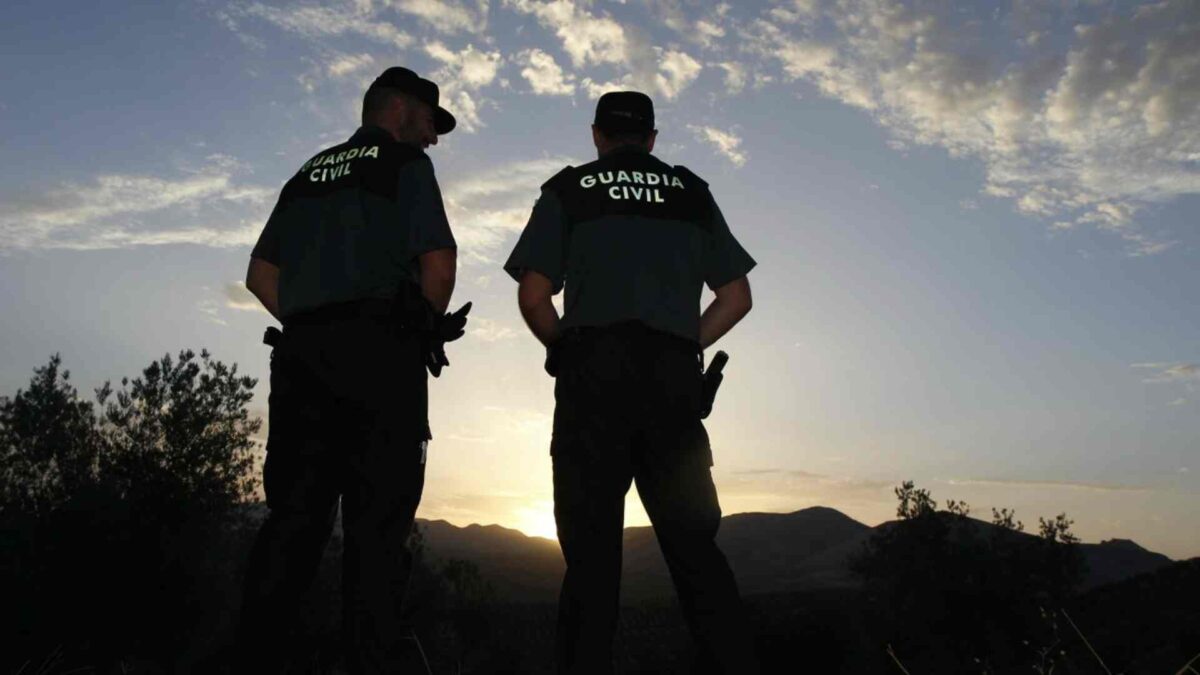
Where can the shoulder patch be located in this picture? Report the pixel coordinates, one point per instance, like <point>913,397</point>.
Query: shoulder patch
<point>559,179</point>
<point>689,176</point>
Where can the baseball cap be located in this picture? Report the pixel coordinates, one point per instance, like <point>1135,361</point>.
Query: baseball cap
<point>405,80</point>
<point>624,111</point>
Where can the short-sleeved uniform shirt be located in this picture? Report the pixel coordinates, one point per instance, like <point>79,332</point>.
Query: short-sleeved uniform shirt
<point>352,222</point>
<point>630,238</point>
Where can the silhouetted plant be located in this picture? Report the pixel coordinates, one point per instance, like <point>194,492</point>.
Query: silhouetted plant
<point>955,599</point>
<point>117,521</point>
<point>182,433</point>
<point>49,445</point>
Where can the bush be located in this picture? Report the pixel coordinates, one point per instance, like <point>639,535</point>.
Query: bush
<point>953,589</point>
<point>118,522</point>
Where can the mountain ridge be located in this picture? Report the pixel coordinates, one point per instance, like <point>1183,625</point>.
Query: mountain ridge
<point>769,552</point>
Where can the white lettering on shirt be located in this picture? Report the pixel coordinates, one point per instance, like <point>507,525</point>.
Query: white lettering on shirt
<point>339,163</point>
<point>622,184</point>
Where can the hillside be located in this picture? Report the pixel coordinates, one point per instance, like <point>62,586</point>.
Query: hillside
<point>769,552</point>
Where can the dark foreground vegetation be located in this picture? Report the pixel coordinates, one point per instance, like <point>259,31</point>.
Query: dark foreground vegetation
<point>125,524</point>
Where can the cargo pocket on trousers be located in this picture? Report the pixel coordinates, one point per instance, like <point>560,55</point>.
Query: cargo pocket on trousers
<point>701,447</point>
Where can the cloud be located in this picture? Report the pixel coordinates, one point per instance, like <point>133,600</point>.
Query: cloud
<point>524,421</point>
<point>1053,484</point>
<point>676,70</point>
<point>491,331</point>
<point>211,312</point>
<point>785,490</point>
<point>119,210</point>
<point>586,38</point>
<point>792,473</point>
<point>488,208</point>
<point>598,40</point>
<point>707,32</point>
<point>1171,372</point>
<point>735,76</point>
<point>726,142</point>
<point>463,74</point>
<point>315,21</point>
<point>544,74</point>
<point>470,67</point>
<point>342,65</point>
<point>447,16</point>
<point>335,66</point>
<point>1088,129</point>
<point>238,297</point>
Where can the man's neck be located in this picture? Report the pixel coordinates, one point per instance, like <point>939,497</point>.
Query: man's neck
<point>393,133</point>
<point>625,148</point>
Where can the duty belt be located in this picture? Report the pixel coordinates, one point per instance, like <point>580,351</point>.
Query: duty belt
<point>377,308</point>
<point>374,308</point>
<point>633,328</point>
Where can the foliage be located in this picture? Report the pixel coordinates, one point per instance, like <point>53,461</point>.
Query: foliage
<point>49,444</point>
<point>114,524</point>
<point>951,588</point>
<point>181,432</point>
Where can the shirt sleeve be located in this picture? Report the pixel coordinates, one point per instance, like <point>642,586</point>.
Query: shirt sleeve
<point>267,247</point>
<point>725,259</point>
<point>429,228</point>
<point>541,245</point>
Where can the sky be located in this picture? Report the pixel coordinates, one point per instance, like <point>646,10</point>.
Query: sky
<point>974,225</point>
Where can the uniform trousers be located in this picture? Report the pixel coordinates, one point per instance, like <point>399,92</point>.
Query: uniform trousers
<point>348,420</point>
<point>628,403</point>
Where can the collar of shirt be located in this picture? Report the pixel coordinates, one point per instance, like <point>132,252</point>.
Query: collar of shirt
<point>627,149</point>
<point>371,131</point>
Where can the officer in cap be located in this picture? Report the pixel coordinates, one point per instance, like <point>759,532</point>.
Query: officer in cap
<point>633,239</point>
<point>357,261</point>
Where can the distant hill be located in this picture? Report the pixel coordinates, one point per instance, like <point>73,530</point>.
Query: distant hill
<point>766,551</point>
<point>518,566</point>
<point>769,552</point>
<point>1113,560</point>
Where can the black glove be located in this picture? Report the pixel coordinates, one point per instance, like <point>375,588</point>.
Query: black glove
<point>445,328</point>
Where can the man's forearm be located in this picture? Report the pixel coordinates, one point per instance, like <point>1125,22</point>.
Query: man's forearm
<point>718,318</point>
<point>543,321</point>
<point>438,270</point>
<point>262,280</point>
<point>270,300</point>
<point>437,290</point>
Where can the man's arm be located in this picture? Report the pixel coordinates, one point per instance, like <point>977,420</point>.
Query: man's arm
<point>732,302</point>
<point>262,279</point>
<point>438,269</point>
<point>533,298</point>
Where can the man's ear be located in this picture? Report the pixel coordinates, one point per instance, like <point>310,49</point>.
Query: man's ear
<point>597,138</point>
<point>399,110</point>
<point>650,141</point>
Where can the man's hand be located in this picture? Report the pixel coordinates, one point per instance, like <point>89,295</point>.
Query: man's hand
<point>446,328</point>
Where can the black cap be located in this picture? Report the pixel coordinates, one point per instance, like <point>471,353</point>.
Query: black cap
<point>624,111</point>
<point>405,80</point>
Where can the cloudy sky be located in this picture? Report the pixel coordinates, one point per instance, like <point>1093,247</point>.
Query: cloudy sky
<point>975,225</point>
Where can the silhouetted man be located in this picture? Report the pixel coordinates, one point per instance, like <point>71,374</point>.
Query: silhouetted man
<point>633,240</point>
<point>358,262</point>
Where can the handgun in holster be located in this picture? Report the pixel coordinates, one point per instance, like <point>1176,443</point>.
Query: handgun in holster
<point>712,382</point>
